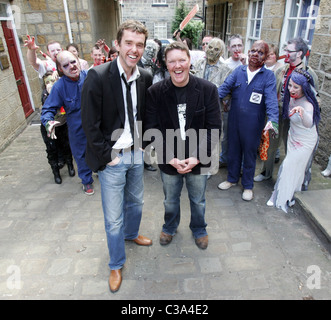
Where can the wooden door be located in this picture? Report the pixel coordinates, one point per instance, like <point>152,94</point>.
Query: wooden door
<point>17,67</point>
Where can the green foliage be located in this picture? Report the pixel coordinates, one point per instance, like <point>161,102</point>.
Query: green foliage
<point>192,30</point>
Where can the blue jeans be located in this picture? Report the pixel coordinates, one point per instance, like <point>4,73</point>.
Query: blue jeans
<point>196,187</point>
<point>122,190</point>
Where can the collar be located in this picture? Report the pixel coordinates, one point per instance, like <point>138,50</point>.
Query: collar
<point>135,75</point>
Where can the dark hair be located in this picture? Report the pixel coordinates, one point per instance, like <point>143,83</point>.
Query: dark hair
<point>132,25</point>
<point>188,42</point>
<point>300,45</point>
<point>176,45</point>
<point>112,50</point>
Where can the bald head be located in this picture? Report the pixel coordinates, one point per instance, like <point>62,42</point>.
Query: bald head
<point>257,55</point>
<point>68,64</point>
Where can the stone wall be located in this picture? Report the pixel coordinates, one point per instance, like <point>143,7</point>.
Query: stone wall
<point>12,118</point>
<point>46,21</point>
<point>149,13</point>
<point>320,61</point>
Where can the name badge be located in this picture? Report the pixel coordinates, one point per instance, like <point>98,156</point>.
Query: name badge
<point>256,98</point>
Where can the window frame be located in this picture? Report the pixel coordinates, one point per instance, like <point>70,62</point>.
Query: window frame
<point>250,39</point>
<point>311,18</point>
<point>159,25</point>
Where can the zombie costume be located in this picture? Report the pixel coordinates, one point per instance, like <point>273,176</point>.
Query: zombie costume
<point>67,93</point>
<point>250,103</point>
<point>301,143</point>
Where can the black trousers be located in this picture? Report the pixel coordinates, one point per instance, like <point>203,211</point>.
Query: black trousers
<point>58,150</point>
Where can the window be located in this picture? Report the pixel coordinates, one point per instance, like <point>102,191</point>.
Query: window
<point>229,20</point>
<point>3,11</point>
<point>228,27</point>
<point>254,23</point>
<point>300,19</point>
<point>160,30</point>
<point>159,1</point>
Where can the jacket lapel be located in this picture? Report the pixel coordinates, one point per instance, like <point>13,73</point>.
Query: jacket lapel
<point>116,88</point>
<point>192,101</point>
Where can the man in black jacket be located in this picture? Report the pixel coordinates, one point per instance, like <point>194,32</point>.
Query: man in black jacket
<point>184,113</point>
<point>113,102</point>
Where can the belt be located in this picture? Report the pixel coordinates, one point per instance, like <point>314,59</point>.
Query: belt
<point>121,151</point>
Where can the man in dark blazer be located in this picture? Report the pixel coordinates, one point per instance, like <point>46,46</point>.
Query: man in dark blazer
<point>113,102</point>
<point>183,120</point>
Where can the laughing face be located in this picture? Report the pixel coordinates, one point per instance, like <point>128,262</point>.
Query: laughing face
<point>69,64</point>
<point>178,64</point>
<point>130,49</point>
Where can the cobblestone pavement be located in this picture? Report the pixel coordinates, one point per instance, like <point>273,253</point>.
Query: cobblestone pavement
<point>53,242</point>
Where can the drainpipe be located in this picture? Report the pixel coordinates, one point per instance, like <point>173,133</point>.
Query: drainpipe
<point>65,5</point>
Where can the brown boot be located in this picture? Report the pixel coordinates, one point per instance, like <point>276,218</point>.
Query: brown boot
<point>115,280</point>
<point>165,238</point>
<point>202,242</point>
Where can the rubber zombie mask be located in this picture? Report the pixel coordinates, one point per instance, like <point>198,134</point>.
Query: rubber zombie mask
<point>214,50</point>
<point>49,81</point>
<point>150,52</point>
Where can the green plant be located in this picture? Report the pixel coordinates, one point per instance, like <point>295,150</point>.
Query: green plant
<point>192,30</point>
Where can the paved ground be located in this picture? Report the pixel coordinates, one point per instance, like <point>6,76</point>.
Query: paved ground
<point>53,241</point>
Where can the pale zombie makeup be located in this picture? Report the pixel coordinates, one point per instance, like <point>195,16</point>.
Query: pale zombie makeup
<point>214,50</point>
<point>291,53</point>
<point>236,47</point>
<point>49,81</point>
<point>53,50</point>
<point>295,90</point>
<point>150,50</point>
<point>69,65</point>
<point>97,56</point>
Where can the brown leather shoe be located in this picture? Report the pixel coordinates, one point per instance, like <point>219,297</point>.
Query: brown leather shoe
<point>143,241</point>
<point>165,238</point>
<point>115,280</point>
<point>202,242</point>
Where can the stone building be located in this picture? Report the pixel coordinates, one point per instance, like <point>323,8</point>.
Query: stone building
<point>157,15</point>
<point>85,21</point>
<point>79,21</point>
<point>277,21</point>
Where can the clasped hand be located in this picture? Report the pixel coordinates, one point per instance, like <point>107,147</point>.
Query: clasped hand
<point>184,166</point>
<point>297,109</point>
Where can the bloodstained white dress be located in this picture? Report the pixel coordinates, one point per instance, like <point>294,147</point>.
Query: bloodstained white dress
<point>302,139</point>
